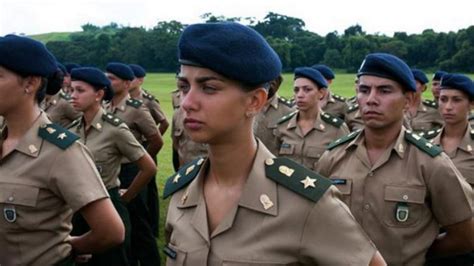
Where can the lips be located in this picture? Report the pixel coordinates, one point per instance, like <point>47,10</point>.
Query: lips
<point>193,124</point>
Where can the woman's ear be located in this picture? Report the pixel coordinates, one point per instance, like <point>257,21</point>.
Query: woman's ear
<point>409,100</point>
<point>257,99</point>
<point>99,95</point>
<point>31,84</point>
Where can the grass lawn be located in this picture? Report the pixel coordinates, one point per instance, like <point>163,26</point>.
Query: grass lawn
<point>161,85</point>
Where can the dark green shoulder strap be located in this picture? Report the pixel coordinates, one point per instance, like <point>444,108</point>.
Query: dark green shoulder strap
<point>430,133</point>
<point>57,135</point>
<point>423,144</point>
<point>353,108</point>
<point>344,139</point>
<point>296,178</point>
<point>148,96</point>
<point>74,123</point>
<point>339,98</point>
<point>285,101</point>
<point>65,96</point>
<point>333,120</point>
<point>429,103</point>
<point>134,103</point>
<point>184,176</point>
<point>112,119</point>
<point>287,117</point>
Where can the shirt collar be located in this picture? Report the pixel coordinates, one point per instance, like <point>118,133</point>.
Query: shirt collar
<point>399,146</point>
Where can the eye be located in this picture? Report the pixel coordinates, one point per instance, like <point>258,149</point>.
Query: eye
<point>363,90</point>
<point>183,87</point>
<point>208,89</point>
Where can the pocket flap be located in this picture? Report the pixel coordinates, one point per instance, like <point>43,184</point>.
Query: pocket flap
<point>314,152</point>
<point>16,194</point>
<point>405,194</point>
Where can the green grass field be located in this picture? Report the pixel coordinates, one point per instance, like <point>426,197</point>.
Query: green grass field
<point>161,85</point>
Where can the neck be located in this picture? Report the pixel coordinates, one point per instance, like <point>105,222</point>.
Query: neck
<point>310,114</point>
<point>134,93</point>
<point>382,138</point>
<point>231,161</point>
<point>455,130</point>
<point>90,113</point>
<point>119,97</point>
<point>20,121</point>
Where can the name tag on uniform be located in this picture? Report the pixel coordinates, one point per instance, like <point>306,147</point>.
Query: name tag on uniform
<point>9,213</point>
<point>339,181</point>
<point>169,252</point>
<point>285,146</point>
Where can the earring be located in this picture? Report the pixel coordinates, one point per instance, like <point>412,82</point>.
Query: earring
<point>27,91</point>
<point>249,114</point>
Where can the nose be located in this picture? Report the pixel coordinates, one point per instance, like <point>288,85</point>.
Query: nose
<point>372,97</point>
<point>189,100</point>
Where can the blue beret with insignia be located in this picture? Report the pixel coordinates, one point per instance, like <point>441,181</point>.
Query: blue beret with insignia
<point>390,67</point>
<point>138,70</point>
<point>71,66</point>
<point>420,76</point>
<point>26,56</point>
<point>120,70</point>
<point>94,77</point>
<point>311,74</point>
<point>439,74</point>
<point>62,68</point>
<point>230,49</point>
<point>458,82</point>
<point>325,71</point>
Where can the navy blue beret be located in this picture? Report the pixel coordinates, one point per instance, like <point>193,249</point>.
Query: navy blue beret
<point>459,82</point>
<point>94,77</point>
<point>138,70</point>
<point>325,71</point>
<point>420,76</point>
<point>62,68</point>
<point>311,74</point>
<point>439,74</point>
<point>120,70</point>
<point>230,49</point>
<point>388,66</point>
<point>71,66</point>
<point>26,56</point>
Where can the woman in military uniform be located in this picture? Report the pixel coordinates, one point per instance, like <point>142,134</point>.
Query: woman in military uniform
<point>303,135</point>
<point>109,140</point>
<point>45,174</point>
<point>242,206</point>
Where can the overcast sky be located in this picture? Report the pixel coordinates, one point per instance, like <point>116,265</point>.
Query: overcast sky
<point>412,16</point>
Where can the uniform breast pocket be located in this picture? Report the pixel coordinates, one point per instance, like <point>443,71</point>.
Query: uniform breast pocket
<point>315,152</point>
<point>287,149</point>
<point>404,206</point>
<point>174,255</point>
<point>18,206</point>
<point>345,187</point>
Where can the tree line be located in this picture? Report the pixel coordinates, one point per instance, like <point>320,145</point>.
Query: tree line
<point>156,48</point>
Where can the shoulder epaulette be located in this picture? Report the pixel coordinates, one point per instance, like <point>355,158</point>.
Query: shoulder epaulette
<point>352,99</point>
<point>134,103</point>
<point>57,135</point>
<point>287,117</point>
<point>429,103</point>
<point>184,176</point>
<point>285,101</point>
<point>333,120</point>
<point>74,123</point>
<point>297,178</point>
<point>353,108</point>
<point>423,144</point>
<point>112,119</point>
<point>149,97</point>
<point>339,98</point>
<point>430,133</point>
<point>65,96</point>
<point>343,139</point>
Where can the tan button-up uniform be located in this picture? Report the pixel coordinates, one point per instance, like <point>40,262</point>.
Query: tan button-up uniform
<point>335,107</point>
<point>463,156</point>
<point>59,109</point>
<point>306,149</point>
<point>187,149</point>
<point>43,184</point>
<point>266,121</point>
<point>289,230</point>
<point>426,118</point>
<point>153,106</point>
<point>139,120</point>
<point>353,118</point>
<point>109,144</point>
<point>433,190</point>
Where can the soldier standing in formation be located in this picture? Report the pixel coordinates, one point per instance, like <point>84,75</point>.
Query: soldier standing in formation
<point>331,103</point>
<point>398,186</point>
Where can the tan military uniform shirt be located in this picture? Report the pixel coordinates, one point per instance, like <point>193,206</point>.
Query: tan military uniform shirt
<point>109,140</point>
<point>43,185</point>
<point>138,119</point>
<point>427,117</point>
<point>60,110</point>
<point>353,118</point>
<point>270,225</point>
<point>336,105</point>
<point>266,121</point>
<point>153,106</point>
<point>463,156</point>
<point>404,180</point>
<point>187,149</point>
<point>307,149</point>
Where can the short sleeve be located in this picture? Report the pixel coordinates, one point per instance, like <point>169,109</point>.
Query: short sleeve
<point>332,236</point>
<point>75,177</point>
<point>145,123</point>
<point>127,144</point>
<point>155,111</point>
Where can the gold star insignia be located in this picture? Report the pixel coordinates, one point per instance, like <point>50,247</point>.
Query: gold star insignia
<point>266,201</point>
<point>200,161</point>
<point>429,145</point>
<point>50,130</point>
<point>116,120</point>
<point>269,161</point>
<point>191,168</point>
<point>176,178</point>
<point>62,136</point>
<point>308,182</point>
<point>32,148</point>
<point>286,170</point>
